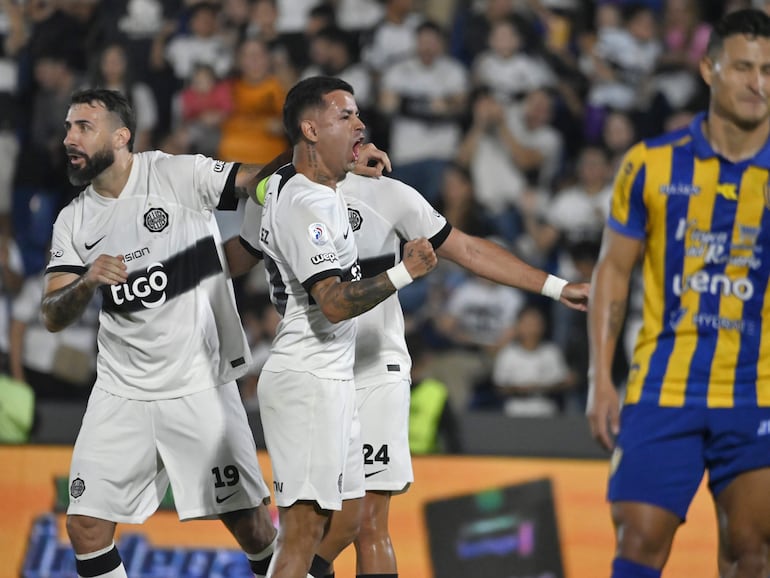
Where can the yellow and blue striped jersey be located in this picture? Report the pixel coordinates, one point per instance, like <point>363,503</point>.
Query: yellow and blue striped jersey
<point>706,226</point>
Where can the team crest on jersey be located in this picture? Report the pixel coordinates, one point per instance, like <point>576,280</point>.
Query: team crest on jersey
<point>77,488</point>
<point>156,219</point>
<point>318,235</point>
<point>339,483</point>
<point>355,219</point>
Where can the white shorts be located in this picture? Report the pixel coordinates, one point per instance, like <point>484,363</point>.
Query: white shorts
<point>128,450</point>
<point>383,408</point>
<point>313,437</point>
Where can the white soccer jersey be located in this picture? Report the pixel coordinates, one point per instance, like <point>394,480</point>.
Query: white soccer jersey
<point>305,237</point>
<point>175,318</point>
<point>382,213</point>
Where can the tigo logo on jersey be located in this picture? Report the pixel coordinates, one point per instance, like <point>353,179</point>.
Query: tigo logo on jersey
<point>318,234</point>
<point>156,219</point>
<point>152,285</point>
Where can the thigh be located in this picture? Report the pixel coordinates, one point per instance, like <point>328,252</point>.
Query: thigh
<point>208,449</point>
<point>739,442</point>
<point>669,438</point>
<point>383,409</point>
<point>115,473</point>
<point>307,429</point>
<point>743,511</point>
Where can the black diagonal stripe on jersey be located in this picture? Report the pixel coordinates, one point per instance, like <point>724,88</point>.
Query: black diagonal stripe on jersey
<point>375,265</point>
<point>278,287</point>
<point>183,272</point>
<point>286,172</point>
<point>228,200</point>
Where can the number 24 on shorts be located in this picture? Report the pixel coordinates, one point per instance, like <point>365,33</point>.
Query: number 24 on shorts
<point>380,456</point>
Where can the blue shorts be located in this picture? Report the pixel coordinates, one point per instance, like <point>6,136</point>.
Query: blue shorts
<point>661,453</point>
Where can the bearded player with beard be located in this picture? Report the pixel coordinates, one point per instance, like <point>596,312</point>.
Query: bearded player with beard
<point>165,406</point>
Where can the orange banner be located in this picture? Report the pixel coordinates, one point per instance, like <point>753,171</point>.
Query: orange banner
<point>28,491</point>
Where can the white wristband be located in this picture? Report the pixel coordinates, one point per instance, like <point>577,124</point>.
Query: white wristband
<point>399,276</point>
<point>553,287</point>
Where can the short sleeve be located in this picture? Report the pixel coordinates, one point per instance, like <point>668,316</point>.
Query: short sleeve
<point>628,213</point>
<point>64,257</point>
<point>198,181</point>
<point>308,243</point>
<point>413,217</point>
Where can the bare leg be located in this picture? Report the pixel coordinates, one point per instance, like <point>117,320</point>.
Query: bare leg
<point>374,549</point>
<point>301,528</point>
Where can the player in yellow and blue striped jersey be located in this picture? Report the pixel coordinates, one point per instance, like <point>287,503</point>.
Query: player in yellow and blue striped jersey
<point>694,206</point>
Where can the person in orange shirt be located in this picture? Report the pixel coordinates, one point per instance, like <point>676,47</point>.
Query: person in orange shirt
<point>253,133</point>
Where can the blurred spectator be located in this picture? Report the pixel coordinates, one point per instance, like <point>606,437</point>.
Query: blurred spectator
<point>477,320</point>
<point>473,23</point>
<point>577,214</point>
<point>506,69</point>
<point>204,104</point>
<point>358,16</point>
<point>11,280</point>
<point>432,423</point>
<point>331,55</point>
<point>394,39</point>
<point>41,180</point>
<point>202,43</point>
<point>425,97</point>
<point>57,365</point>
<point>12,39</point>
<point>288,52</point>
<point>530,373</point>
<point>621,64</point>
<point>458,203</point>
<point>114,71</point>
<point>505,150</point>
<point>618,134</point>
<point>253,133</point>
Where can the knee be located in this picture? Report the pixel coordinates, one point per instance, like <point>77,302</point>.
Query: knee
<point>253,529</point>
<point>89,534</point>
<point>348,532</point>
<point>747,551</point>
<point>643,545</point>
<point>372,531</point>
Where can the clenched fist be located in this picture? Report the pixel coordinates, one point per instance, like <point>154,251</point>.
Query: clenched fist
<point>419,257</point>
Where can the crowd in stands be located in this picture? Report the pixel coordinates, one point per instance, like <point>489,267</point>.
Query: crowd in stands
<point>509,116</point>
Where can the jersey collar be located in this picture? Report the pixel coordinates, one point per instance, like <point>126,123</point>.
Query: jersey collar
<point>703,148</point>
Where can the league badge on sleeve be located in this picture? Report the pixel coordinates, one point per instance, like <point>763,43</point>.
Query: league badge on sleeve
<point>318,234</point>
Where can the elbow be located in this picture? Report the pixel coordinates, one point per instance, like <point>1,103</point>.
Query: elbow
<point>49,323</point>
<point>333,316</point>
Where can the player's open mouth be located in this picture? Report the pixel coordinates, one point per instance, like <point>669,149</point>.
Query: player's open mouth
<point>357,149</point>
<point>76,159</point>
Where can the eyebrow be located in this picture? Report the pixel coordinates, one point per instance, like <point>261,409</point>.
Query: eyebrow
<point>80,122</point>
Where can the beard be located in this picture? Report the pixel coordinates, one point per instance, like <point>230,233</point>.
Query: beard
<point>92,167</point>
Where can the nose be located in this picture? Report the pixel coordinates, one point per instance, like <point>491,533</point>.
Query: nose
<point>360,123</point>
<point>69,137</point>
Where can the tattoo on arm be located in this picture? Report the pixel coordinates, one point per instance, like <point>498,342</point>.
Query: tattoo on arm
<point>357,297</point>
<point>65,305</point>
<point>617,316</point>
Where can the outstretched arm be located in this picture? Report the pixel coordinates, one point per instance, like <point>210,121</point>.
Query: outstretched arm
<point>489,260</point>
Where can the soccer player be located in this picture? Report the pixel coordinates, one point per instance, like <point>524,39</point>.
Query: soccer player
<point>694,206</point>
<point>381,212</point>
<point>306,389</point>
<point>165,406</point>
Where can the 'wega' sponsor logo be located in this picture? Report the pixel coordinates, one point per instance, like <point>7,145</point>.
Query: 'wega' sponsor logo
<point>318,259</point>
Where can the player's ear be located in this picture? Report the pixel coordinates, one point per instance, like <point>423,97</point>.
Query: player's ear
<point>309,131</point>
<point>707,69</point>
<point>122,136</point>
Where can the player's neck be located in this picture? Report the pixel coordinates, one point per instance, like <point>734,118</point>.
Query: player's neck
<point>110,182</point>
<point>309,162</point>
<point>733,142</point>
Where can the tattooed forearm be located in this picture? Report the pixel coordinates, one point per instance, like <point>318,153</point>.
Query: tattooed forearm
<point>352,299</point>
<point>66,305</point>
<point>617,316</point>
